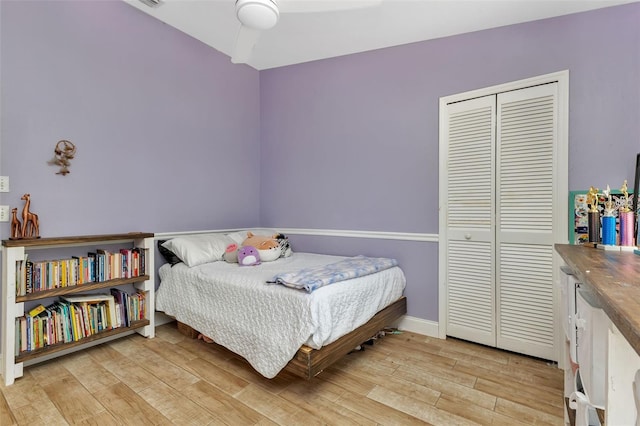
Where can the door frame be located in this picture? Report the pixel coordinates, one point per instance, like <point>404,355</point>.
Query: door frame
<point>560,214</point>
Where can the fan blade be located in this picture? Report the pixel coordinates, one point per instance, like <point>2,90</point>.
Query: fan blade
<point>246,40</point>
<point>311,6</point>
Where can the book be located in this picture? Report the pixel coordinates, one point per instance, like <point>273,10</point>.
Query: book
<point>78,270</point>
<point>144,252</point>
<point>73,317</point>
<point>60,323</point>
<point>36,311</point>
<point>64,274</point>
<point>122,300</point>
<point>83,319</point>
<point>94,299</point>
<point>35,321</point>
<point>29,333</point>
<point>18,333</point>
<point>21,275</point>
<point>23,334</point>
<point>126,263</point>
<point>65,320</point>
<point>96,317</point>
<point>54,319</point>
<point>41,321</point>
<point>118,315</point>
<point>45,322</point>
<point>91,257</point>
<point>29,276</point>
<point>135,262</point>
<point>18,276</point>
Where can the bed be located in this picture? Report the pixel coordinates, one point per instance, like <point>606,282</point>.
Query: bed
<point>275,327</point>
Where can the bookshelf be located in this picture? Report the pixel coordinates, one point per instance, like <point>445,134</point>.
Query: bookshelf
<point>15,305</point>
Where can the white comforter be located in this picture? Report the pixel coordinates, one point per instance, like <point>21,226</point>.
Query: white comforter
<point>267,323</point>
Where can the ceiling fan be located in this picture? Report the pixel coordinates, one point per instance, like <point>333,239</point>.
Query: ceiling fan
<point>259,15</point>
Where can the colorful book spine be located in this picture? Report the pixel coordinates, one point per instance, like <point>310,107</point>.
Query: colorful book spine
<point>36,311</point>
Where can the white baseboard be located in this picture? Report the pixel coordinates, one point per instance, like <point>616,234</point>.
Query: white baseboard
<point>418,325</point>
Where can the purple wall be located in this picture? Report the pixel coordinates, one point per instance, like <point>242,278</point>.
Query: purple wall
<point>166,128</point>
<point>352,142</point>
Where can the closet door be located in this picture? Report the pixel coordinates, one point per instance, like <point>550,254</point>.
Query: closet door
<point>500,180</point>
<point>470,200</point>
<point>525,175</point>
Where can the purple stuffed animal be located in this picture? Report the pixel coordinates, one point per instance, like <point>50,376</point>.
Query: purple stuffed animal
<point>248,256</point>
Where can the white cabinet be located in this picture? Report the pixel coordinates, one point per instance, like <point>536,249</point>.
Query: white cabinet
<point>609,338</point>
<point>608,368</point>
<point>592,328</point>
<point>623,364</point>
<point>568,286</point>
<point>14,306</point>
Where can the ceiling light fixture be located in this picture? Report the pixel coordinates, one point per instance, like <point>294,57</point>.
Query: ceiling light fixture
<point>257,14</point>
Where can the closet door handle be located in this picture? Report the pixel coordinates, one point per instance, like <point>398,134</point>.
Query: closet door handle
<point>467,236</point>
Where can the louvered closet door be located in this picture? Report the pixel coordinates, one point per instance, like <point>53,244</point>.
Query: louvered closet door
<point>470,248</point>
<point>526,135</point>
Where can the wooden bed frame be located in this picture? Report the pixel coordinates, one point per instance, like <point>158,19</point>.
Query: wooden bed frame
<point>308,362</point>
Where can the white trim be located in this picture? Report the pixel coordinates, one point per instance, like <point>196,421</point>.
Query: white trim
<point>167,235</point>
<point>561,174</point>
<point>560,203</point>
<point>561,77</point>
<point>443,149</point>
<point>380,235</point>
<point>418,325</point>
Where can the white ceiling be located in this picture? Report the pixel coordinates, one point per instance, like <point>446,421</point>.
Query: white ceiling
<point>303,37</point>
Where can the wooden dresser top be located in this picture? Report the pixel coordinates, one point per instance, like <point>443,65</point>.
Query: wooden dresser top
<point>614,277</point>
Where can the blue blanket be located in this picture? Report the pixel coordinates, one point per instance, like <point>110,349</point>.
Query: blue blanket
<point>311,279</point>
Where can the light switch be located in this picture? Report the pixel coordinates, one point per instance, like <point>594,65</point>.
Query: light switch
<point>4,183</point>
<point>4,214</point>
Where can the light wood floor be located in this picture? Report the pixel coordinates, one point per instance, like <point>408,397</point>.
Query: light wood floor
<point>401,380</point>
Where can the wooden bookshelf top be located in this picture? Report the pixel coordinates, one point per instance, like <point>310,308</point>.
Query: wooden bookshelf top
<point>82,239</point>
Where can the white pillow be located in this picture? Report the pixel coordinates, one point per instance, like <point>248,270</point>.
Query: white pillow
<point>238,237</point>
<point>198,249</point>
